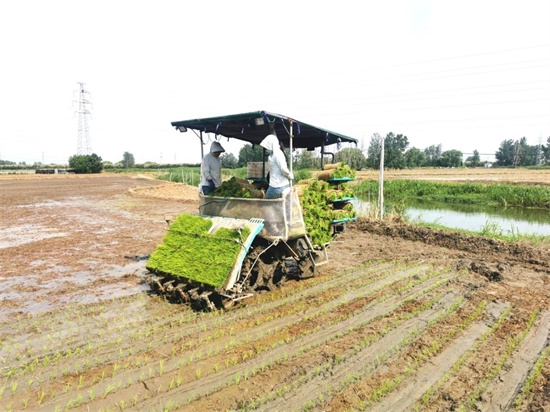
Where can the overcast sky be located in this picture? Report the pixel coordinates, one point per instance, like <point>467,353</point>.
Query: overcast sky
<point>466,73</point>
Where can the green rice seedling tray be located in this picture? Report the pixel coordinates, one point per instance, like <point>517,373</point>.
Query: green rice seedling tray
<point>340,179</point>
<point>347,219</point>
<point>344,199</point>
<point>202,250</point>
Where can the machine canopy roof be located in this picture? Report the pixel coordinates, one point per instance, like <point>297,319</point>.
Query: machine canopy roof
<point>252,127</point>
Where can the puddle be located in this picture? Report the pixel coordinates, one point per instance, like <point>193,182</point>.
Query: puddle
<point>35,293</point>
<point>20,235</point>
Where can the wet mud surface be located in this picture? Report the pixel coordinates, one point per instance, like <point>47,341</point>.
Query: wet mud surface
<point>402,317</point>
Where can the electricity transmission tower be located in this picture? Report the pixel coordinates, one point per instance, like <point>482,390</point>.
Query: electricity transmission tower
<point>517,155</point>
<point>84,146</point>
<point>538,160</point>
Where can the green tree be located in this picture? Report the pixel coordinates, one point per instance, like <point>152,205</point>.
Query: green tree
<point>505,153</point>
<point>305,159</point>
<point>527,153</point>
<point>476,159</point>
<point>451,158</point>
<point>415,158</point>
<point>546,151</point>
<point>229,161</point>
<point>352,156</point>
<point>433,154</point>
<point>516,153</point>
<point>394,148</point>
<point>250,153</point>
<point>128,160</point>
<point>86,163</point>
<point>373,152</point>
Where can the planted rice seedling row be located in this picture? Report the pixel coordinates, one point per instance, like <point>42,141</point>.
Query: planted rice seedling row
<point>429,394</point>
<point>234,360</point>
<point>352,359</point>
<point>379,391</point>
<point>362,322</point>
<point>96,361</point>
<point>307,340</point>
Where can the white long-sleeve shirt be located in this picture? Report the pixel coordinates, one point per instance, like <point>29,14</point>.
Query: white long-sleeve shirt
<point>279,174</point>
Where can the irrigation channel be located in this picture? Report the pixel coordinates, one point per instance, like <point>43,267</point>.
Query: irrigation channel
<point>510,221</point>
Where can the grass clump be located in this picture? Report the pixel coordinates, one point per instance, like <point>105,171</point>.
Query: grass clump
<point>190,252</point>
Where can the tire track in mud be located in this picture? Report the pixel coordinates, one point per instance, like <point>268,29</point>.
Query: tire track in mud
<point>364,361</point>
<point>430,372</point>
<point>214,382</point>
<point>502,391</point>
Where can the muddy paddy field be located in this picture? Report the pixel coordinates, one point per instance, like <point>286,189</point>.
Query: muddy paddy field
<point>402,318</point>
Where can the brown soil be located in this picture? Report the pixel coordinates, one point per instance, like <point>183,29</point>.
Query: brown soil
<point>397,305</point>
<point>488,175</point>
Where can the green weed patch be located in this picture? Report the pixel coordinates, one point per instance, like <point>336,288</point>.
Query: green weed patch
<point>465,193</point>
<point>190,252</point>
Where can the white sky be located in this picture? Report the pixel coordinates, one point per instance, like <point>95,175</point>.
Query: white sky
<point>464,73</point>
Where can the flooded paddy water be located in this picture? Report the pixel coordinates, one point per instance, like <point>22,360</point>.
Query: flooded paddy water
<point>508,221</point>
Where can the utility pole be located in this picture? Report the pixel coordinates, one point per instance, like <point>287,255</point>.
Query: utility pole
<point>84,146</point>
<point>381,180</point>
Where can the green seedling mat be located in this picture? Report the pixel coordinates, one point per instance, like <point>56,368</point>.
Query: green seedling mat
<point>190,252</point>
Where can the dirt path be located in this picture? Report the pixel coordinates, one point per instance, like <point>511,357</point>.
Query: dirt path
<point>401,315</point>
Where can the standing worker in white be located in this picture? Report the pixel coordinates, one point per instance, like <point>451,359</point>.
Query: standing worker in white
<point>279,174</point>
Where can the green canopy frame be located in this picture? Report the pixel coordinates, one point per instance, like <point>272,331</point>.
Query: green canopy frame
<point>253,127</point>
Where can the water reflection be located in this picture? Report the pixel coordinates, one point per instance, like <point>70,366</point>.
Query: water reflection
<point>472,217</point>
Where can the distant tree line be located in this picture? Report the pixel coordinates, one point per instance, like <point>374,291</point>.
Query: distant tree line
<point>397,155</point>
<point>519,153</point>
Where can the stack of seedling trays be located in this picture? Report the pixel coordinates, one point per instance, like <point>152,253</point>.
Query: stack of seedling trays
<point>326,203</point>
<point>340,195</point>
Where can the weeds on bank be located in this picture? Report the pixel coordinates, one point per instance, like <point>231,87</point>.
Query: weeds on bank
<point>491,230</point>
<point>467,193</point>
